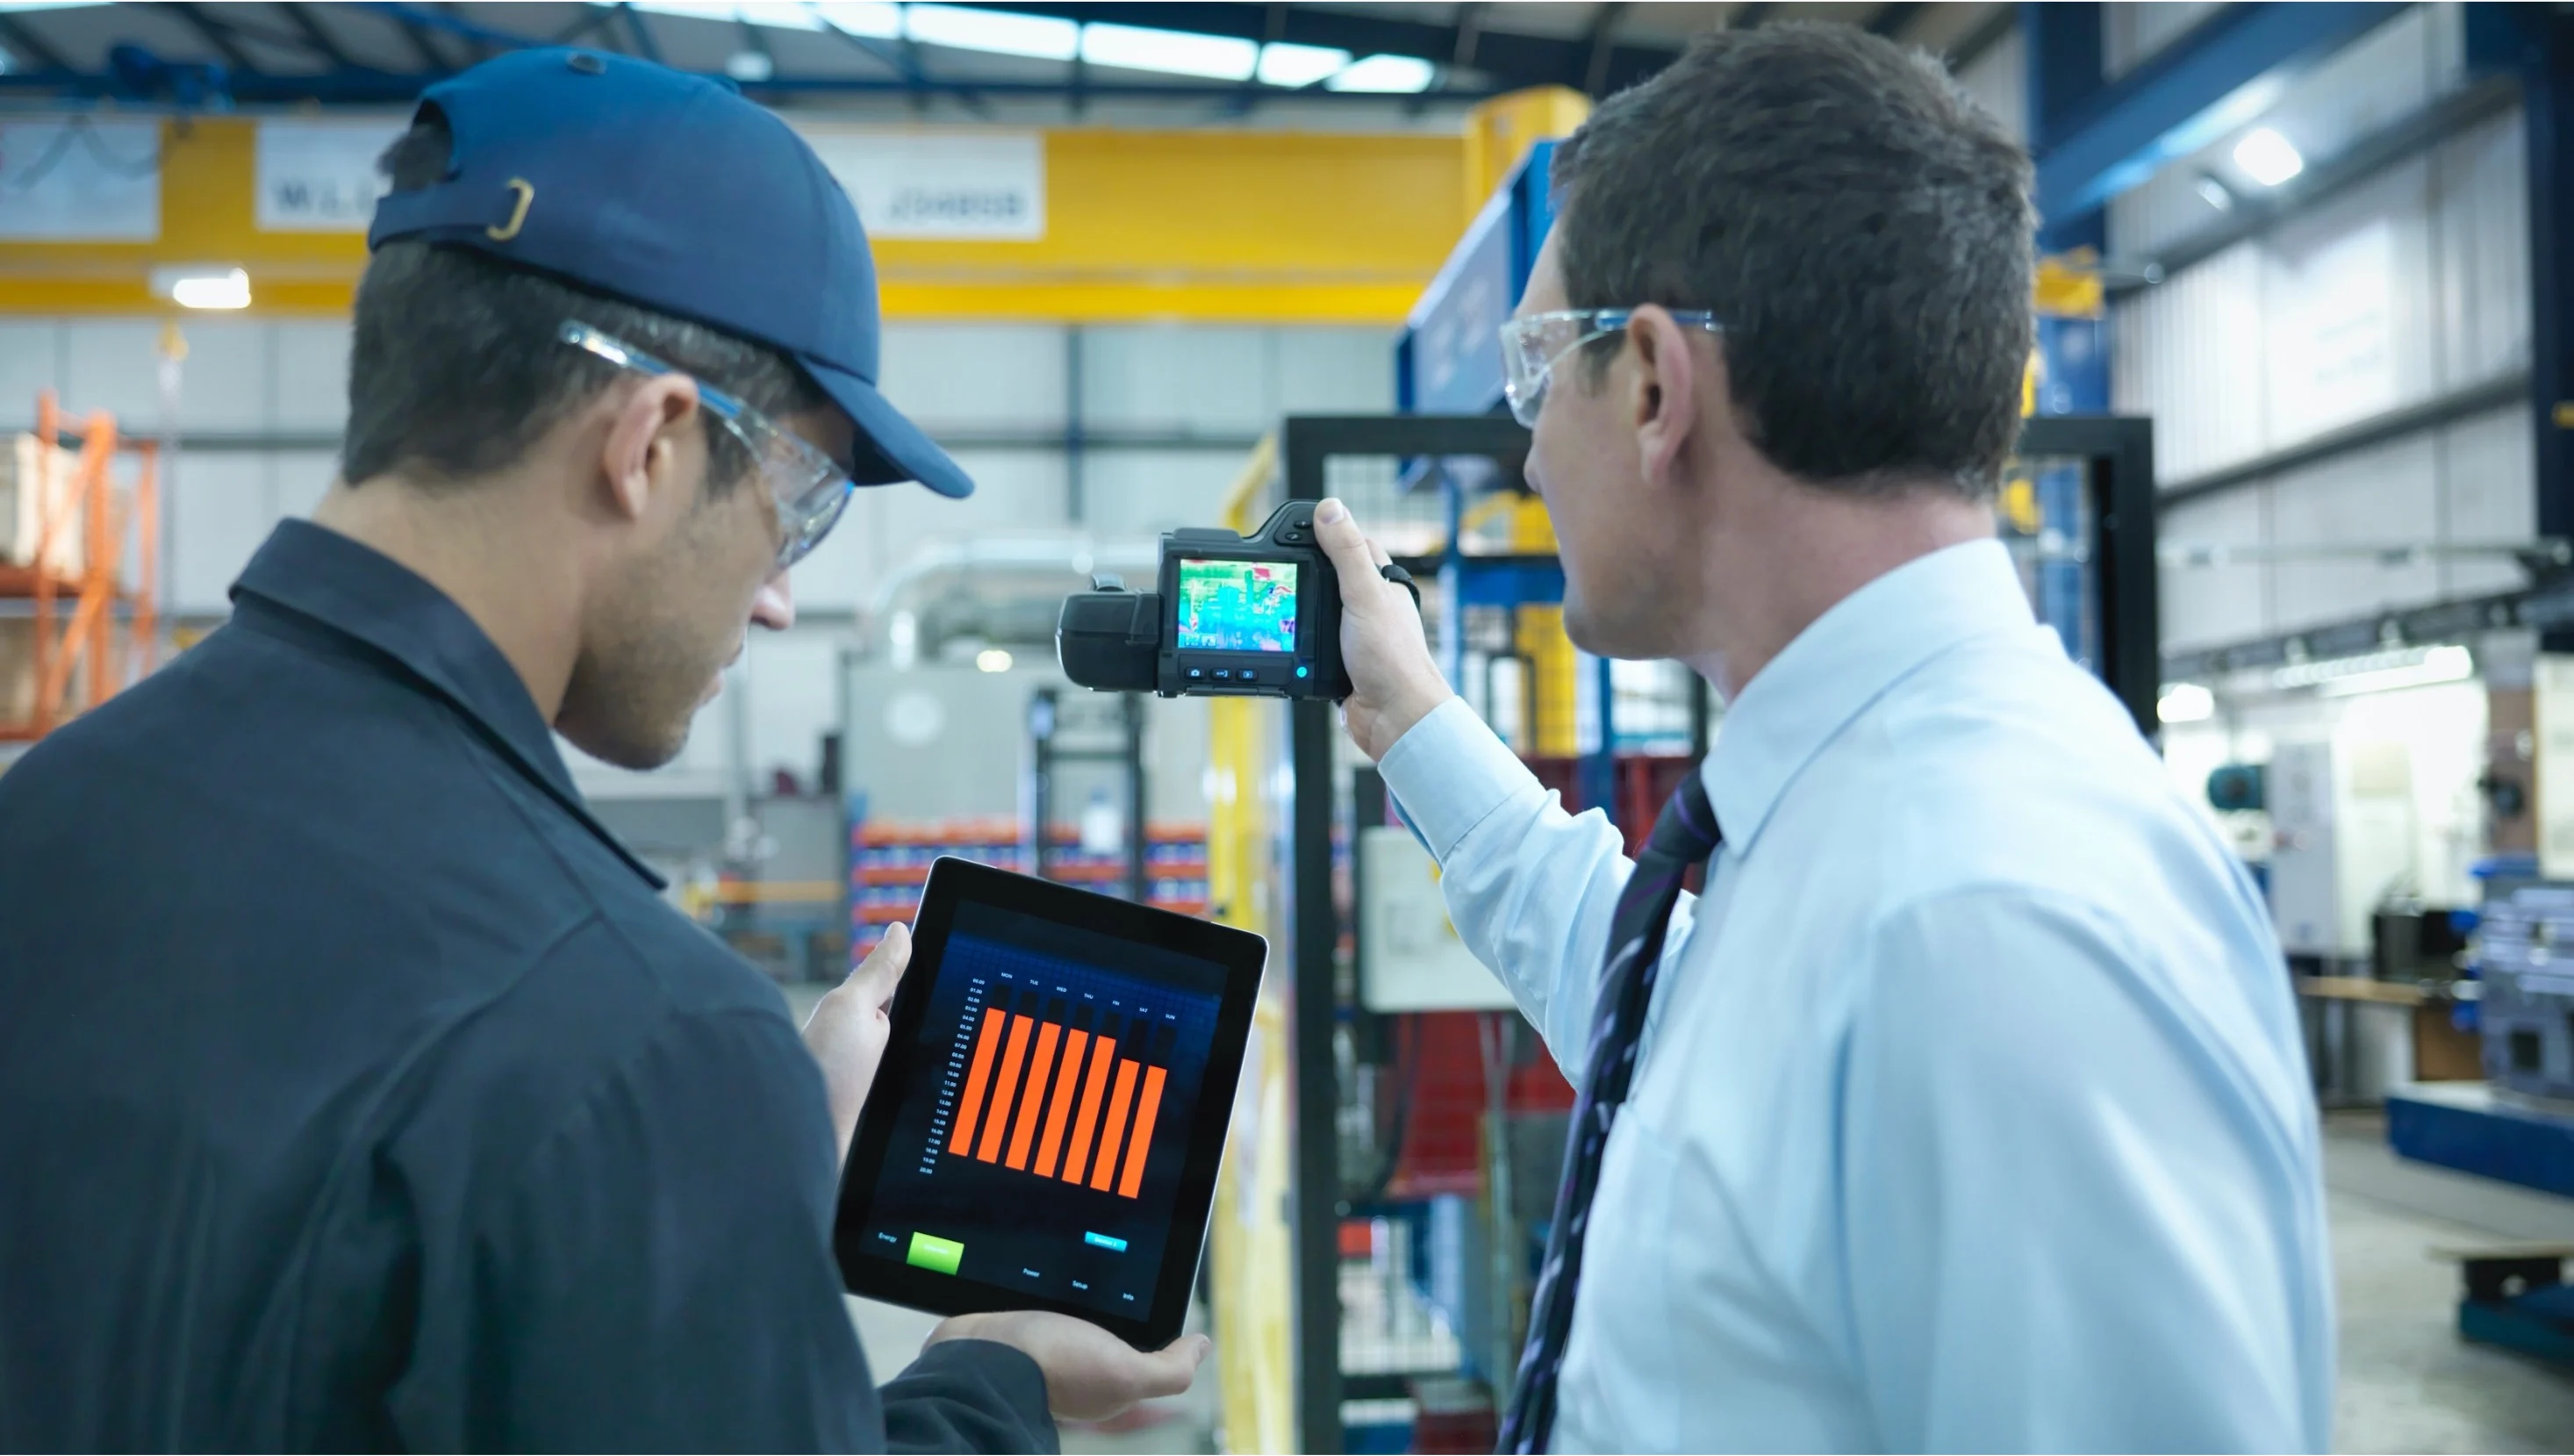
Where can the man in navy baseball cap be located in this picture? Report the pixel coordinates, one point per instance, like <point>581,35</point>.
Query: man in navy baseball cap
<point>400,1110</point>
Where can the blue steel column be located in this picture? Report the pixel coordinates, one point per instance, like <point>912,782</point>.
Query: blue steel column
<point>2537,42</point>
<point>2064,46</point>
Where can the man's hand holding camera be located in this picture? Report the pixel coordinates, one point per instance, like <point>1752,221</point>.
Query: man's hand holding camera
<point>1393,681</point>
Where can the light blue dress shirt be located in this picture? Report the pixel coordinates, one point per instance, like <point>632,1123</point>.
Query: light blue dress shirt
<point>1973,1111</point>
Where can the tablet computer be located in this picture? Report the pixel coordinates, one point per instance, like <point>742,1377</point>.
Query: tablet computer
<point>1046,1128</point>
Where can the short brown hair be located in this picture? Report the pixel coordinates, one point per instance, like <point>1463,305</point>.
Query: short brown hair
<point>1861,227</point>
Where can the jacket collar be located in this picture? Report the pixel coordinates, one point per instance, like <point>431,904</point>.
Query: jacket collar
<point>1829,673</point>
<point>362,595</point>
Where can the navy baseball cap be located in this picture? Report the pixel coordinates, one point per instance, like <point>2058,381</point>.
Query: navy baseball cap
<point>676,193</point>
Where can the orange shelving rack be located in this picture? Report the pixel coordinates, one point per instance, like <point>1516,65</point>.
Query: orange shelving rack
<point>67,548</point>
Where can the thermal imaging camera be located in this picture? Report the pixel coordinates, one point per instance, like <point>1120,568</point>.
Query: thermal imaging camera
<point>1256,616</point>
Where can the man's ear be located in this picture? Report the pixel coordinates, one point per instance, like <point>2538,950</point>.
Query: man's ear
<point>1663,400</point>
<point>641,455</point>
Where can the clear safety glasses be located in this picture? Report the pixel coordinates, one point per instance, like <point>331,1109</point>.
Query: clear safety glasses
<point>1533,345</point>
<point>808,488</point>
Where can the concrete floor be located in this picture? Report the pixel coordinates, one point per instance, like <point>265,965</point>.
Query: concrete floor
<point>2407,1382</point>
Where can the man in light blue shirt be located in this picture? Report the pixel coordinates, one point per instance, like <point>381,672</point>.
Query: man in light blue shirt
<point>1967,1106</point>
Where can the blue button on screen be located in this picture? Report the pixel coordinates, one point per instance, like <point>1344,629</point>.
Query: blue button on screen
<point>1103,1242</point>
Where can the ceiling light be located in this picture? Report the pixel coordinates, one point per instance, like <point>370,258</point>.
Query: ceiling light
<point>1398,75</point>
<point>1282,64</point>
<point>2185,703</point>
<point>2439,665</point>
<point>993,660</point>
<point>2378,672</point>
<point>750,67</point>
<point>875,18</point>
<point>1219,57</point>
<point>997,31</point>
<point>203,287</point>
<point>690,9</point>
<point>784,16</point>
<point>2213,189</point>
<point>2267,157</point>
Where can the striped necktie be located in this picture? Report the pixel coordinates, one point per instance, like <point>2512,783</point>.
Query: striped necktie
<point>1686,835</point>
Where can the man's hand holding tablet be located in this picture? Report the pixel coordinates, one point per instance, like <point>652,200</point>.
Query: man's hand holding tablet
<point>1061,1059</point>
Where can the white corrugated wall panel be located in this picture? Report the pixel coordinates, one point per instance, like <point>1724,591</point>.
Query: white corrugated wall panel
<point>311,390</point>
<point>2214,605</point>
<point>221,507</point>
<point>1998,82</point>
<point>977,376</point>
<point>2348,311</point>
<point>2480,210</point>
<point>1153,377</point>
<point>2403,288</point>
<point>2489,493</point>
<point>2132,34</point>
<point>2384,495</point>
<point>2190,355</point>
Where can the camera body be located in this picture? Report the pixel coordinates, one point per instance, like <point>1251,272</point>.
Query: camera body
<point>1232,615</point>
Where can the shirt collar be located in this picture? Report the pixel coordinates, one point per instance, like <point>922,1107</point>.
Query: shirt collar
<point>1850,655</point>
<point>364,594</point>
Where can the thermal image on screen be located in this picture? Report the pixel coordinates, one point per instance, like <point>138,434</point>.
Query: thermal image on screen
<point>1238,607</point>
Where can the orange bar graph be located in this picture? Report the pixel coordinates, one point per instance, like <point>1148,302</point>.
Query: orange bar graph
<point>1065,1084</point>
<point>1140,1146</point>
<point>1034,1103</point>
<point>1086,1121</point>
<point>962,1143</point>
<point>1106,1171</point>
<point>998,1119</point>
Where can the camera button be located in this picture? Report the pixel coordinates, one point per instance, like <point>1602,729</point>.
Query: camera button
<point>1196,673</point>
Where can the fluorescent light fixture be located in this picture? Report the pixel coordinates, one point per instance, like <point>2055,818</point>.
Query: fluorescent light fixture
<point>1395,74</point>
<point>2267,157</point>
<point>2439,665</point>
<point>999,31</point>
<point>1219,57</point>
<point>689,9</point>
<point>993,660</point>
<point>1282,64</point>
<point>785,16</point>
<point>2185,703</point>
<point>750,67</point>
<point>2378,672</point>
<point>875,19</point>
<point>203,287</point>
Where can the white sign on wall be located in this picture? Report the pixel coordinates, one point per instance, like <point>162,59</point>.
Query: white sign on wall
<point>927,185</point>
<point>80,180</point>
<point>320,176</point>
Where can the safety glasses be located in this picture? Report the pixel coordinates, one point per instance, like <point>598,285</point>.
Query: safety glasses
<point>808,488</point>
<point>1533,345</point>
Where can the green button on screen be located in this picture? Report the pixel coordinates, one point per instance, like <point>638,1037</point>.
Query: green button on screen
<point>939,1255</point>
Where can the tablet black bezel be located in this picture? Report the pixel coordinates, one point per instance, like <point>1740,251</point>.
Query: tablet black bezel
<point>953,881</point>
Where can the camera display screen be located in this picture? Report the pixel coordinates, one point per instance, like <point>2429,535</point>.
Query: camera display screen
<point>1237,606</point>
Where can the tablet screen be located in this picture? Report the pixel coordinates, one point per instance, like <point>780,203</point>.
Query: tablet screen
<point>1045,1115</point>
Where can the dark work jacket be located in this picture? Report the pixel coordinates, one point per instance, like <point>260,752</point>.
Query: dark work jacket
<point>358,1091</point>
